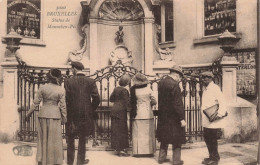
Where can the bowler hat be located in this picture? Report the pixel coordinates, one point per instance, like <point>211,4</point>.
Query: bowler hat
<point>77,65</point>
<point>177,69</point>
<point>207,74</point>
<point>124,80</point>
<point>140,79</point>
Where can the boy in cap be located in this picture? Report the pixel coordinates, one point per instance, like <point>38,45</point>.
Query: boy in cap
<point>171,123</point>
<point>211,96</point>
<point>82,100</point>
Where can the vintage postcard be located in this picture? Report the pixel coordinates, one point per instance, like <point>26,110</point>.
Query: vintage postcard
<point>130,78</point>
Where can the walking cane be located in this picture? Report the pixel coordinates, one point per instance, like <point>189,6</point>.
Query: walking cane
<point>95,143</point>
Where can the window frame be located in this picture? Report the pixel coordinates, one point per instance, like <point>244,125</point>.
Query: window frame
<point>32,41</point>
<point>219,33</point>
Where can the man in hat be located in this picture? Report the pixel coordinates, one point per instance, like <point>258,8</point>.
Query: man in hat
<point>171,123</point>
<point>211,96</point>
<point>82,100</point>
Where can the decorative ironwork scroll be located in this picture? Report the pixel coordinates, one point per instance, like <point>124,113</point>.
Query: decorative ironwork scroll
<point>30,79</point>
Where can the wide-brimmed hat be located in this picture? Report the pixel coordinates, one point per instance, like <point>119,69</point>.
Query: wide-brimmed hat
<point>77,65</point>
<point>54,76</point>
<point>177,69</point>
<point>140,79</point>
<point>124,80</point>
<point>207,74</point>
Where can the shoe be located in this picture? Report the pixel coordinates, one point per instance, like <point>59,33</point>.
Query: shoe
<point>212,162</point>
<point>163,161</point>
<point>181,163</point>
<point>123,153</point>
<point>160,161</point>
<point>205,161</point>
<point>85,162</point>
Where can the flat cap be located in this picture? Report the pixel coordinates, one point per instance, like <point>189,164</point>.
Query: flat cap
<point>77,65</point>
<point>207,74</point>
<point>177,69</point>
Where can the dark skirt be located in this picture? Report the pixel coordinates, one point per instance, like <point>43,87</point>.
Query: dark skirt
<point>119,134</point>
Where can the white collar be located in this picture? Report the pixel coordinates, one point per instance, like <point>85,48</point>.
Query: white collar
<point>80,72</point>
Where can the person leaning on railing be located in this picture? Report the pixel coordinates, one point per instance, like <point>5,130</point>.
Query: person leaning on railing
<point>119,130</point>
<point>143,128</point>
<point>51,115</point>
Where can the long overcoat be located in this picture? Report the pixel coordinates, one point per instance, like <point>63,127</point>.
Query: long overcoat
<point>120,97</point>
<point>82,100</point>
<point>119,130</point>
<point>170,112</point>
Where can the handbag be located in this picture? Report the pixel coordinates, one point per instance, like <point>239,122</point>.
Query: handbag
<point>212,112</point>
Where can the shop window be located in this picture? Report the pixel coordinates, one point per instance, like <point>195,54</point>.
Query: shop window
<point>164,18</point>
<point>24,16</point>
<point>218,16</point>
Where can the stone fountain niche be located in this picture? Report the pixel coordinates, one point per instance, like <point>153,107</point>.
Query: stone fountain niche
<point>118,30</point>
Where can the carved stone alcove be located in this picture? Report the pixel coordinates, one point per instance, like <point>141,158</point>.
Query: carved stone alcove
<point>121,53</point>
<point>121,10</point>
<point>117,26</point>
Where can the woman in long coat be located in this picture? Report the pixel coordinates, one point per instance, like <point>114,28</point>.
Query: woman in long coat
<point>51,115</point>
<point>119,130</point>
<point>143,128</point>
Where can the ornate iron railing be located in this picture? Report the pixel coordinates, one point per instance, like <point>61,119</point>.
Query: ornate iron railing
<point>30,79</point>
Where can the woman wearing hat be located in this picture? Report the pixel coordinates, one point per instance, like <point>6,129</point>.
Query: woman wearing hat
<point>119,131</point>
<point>143,129</point>
<point>52,113</point>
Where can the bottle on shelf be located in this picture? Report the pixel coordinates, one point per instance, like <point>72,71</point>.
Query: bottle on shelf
<point>18,30</point>
<point>32,33</point>
<point>26,32</point>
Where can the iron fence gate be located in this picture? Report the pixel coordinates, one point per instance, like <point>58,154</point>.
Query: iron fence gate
<point>30,79</point>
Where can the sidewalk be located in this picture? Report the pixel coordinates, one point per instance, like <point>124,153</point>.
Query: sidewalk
<point>192,154</point>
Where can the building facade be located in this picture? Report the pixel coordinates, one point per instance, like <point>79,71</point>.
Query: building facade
<point>150,35</point>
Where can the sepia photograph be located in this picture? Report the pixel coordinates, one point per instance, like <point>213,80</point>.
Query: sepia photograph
<point>133,82</point>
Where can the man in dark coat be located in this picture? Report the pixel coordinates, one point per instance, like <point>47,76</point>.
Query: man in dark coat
<point>82,100</point>
<point>171,123</point>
